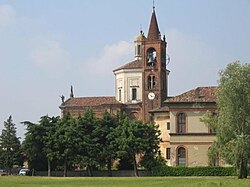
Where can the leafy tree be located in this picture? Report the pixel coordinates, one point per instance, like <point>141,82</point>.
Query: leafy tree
<point>105,132</point>
<point>136,138</point>
<point>125,163</point>
<point>32,146</point>
<point>49,124</point>
<point>67,141</point>
<point>39,142</point>
<point>152,156</point>
<point>233,123</point>
<point>89,152</point>
<point>9,145</point>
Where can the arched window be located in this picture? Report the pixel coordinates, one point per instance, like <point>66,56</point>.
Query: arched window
<point>181,123</point>
<point>151,82</point>
<point>181,156</point>
<point>151,57</point>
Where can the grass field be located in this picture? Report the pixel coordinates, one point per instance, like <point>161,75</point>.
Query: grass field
<point>16,181</point>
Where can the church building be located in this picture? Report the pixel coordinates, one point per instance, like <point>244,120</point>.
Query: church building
<point>140,85</point>
<point>141,91</point>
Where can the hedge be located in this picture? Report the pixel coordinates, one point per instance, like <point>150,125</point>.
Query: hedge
<point>193,171</point>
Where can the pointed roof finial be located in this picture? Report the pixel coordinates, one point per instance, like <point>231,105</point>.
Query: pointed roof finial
<point>153,5</point>
<point>153,31</point>
<point>140,28</point>
<point>71,92</point>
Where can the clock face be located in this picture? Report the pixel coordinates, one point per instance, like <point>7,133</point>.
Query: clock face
<point>151,95</point>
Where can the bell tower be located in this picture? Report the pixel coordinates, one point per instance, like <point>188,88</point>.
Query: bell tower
<point>154,72</point>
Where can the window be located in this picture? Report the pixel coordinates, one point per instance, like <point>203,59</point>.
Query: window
<point>168,153</point>
<point>134,93</point>
<point>119,95</point>
<point>181,123</point>
<point>151,57</point>
<point>139,50</point>
<point>168,125</point>
<point>181,156</point>
<point>151,82</point>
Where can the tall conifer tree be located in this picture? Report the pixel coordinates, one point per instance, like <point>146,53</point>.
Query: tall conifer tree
<point>10,145</point>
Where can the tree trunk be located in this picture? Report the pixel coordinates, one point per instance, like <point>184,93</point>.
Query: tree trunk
<point>240,169</point>
<point>33,172</point>
<point>49,168</point>
<point>109,168</point>
<point>243,170</point>
<point>9,170</point>
<point>135,166</point>
<point>90,171</point>
<point>65,168</point>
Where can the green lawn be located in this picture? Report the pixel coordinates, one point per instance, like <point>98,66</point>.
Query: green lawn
<point>12,181</point>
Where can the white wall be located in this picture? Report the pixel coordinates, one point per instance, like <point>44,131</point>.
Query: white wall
<point>126,80</point>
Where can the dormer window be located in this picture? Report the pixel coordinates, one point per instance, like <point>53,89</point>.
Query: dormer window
<point>151,57</point>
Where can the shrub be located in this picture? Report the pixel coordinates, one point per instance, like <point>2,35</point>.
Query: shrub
<point>193,171</point>
<point>151,161</point>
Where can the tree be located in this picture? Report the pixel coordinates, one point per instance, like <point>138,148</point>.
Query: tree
<point>67,141</point>
<point>39,142</point>
<point>233,123</point>
<point>49,124</point>
<point>152,156</point>
<point>9,145</point>
<point>89,152</point>
<point>105,132</point>
<point>32,146</point>
<point>137,139</point>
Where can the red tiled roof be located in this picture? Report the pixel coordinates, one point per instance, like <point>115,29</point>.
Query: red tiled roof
<point>160,109</point>
<point>89,101</point>
<point>200,94</point>
<point>136,64</point>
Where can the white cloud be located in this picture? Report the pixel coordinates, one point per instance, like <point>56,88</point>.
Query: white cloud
<point>7,14</point>
<point>50,56</point>
<point>111,57</point>
<point>95,75</point>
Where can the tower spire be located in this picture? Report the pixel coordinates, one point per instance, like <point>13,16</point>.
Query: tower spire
<point>153,31</point>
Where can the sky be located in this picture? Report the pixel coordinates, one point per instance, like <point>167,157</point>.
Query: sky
<point>46,46</point>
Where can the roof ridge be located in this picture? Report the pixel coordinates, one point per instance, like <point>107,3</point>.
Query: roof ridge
<point>198,94</point>
<point>91,101</point>
<point>131,65</point>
